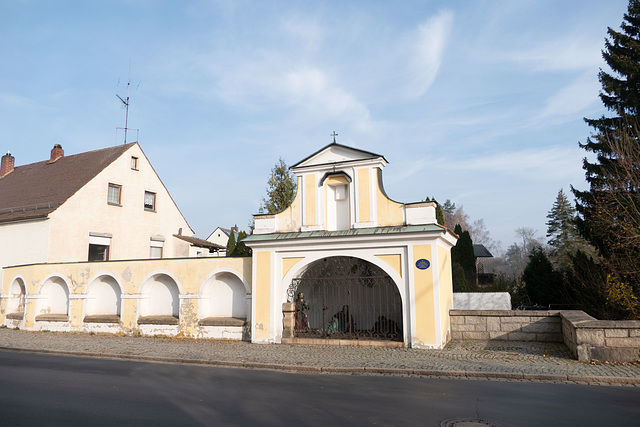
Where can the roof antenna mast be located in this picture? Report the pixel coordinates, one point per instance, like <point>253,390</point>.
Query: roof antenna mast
<point>125,102</point>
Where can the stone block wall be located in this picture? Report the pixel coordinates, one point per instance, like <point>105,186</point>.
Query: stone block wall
<point>601,340</point>
<point>507,325</point>
<point>588,339</point>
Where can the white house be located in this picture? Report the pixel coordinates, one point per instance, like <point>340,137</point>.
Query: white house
<point>220,236</point>
<point>100,205</point>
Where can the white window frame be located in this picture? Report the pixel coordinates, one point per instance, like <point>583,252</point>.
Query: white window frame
<point>119,188</point>
<point>153,208</point>
<point>155,244</point>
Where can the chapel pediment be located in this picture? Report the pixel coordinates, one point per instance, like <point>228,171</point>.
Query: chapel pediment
<point>334,154</point>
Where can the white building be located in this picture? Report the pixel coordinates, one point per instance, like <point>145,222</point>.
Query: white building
<point>106,204</point>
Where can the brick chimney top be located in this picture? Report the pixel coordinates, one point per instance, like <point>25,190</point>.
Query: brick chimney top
<point>7,165</point>
<point>56,153</point>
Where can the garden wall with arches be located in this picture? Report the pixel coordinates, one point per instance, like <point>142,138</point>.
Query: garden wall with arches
<point>198,297</point>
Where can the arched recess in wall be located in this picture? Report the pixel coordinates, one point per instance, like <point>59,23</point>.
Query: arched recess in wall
<point>103,297</point>
<point>223,295</point>
<point>53,299</point>
<point>160,296</point>
<point>15,302</point>
<point>346,297</point>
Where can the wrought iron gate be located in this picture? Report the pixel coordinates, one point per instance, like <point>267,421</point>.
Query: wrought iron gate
<point>346,298</point>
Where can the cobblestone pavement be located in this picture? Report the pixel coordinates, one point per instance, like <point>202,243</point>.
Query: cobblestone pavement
<point>517,361</point>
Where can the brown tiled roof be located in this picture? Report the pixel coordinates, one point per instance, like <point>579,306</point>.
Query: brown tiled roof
<point>36,190</point>
<point>199,242</point>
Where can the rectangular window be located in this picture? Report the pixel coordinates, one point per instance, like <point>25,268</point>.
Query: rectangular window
<point>99,245</point>
<point>113,196</point>
<point>155,248</point>
<point>98,253</point>
<point>134,163</point>
<point>149,201</point>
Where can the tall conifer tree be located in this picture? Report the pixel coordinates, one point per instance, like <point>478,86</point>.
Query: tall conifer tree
<point>281,188</point>
<point>621,95</point>
<point>609,210</point>
<point>231,243</point>
<point>562,232</point>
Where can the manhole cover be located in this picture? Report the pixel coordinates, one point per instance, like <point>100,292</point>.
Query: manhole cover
<point>468,422</point>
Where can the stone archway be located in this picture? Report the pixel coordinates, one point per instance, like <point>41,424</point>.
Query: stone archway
<point>346,298</point>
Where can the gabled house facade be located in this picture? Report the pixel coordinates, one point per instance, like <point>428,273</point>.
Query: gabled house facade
<point>100,205</point>
<point>347,262</point>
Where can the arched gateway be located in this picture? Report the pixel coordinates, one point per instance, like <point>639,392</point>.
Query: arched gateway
<point>369,268</point>
<point>346,298</point>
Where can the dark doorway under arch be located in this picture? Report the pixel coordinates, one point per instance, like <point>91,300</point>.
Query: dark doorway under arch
<point>346,298</point>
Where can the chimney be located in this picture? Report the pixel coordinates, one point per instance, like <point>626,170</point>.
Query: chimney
<point>7,164</point>
<point>56,153</point>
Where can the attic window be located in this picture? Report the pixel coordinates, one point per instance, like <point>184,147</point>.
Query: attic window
<point>113,196</point>
<point>134,163</point>
<point>149,201</point>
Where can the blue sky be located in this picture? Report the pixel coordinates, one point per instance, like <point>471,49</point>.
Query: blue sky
<point>479,102</point>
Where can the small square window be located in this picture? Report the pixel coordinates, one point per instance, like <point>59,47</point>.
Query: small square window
<point>149,201</point>
<point>113,197</point>
<point>134,163</point>
<point>155,252</point>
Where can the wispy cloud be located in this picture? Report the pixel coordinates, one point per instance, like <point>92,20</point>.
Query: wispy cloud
<point>570,101</point>
<point>569,53</point>
<point>427,51</point>
<point>538,165</point>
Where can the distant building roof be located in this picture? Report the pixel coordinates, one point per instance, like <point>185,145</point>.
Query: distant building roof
<point>481,252</point>
<point>200,242</point>
<point>37,189</point>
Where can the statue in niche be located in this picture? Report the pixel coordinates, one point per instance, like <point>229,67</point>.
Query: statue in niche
<point>302,321</point>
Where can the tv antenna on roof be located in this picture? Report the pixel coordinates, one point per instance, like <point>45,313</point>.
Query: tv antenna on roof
<point>125,102</point>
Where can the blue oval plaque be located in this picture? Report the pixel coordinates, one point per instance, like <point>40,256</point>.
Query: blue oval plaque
<point>423,264</point>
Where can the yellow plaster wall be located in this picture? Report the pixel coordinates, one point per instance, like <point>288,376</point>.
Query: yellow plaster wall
<point>423,286</point>
<point>189,273</point>
<point>389,212</point>
<point>290,219</point>
<point>287,263</point>
<point>446,289</point>
<point>310,199</point>
<point>394,260</point>
<point>364,203</point>
<point>261,323</point>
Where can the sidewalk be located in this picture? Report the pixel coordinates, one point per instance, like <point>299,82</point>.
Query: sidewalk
<point>517,361</point>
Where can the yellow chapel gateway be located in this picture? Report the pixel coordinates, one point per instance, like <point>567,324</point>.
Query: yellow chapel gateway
<point>345,262</point>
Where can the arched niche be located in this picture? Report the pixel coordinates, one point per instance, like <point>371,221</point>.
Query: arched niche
<point>223,295</point>
<point>53,301</point>
<point>103,302</point>
<point>15,302</point>
<point>160,297</point>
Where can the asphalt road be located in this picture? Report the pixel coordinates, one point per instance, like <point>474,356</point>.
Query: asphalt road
<point>38,389</point>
